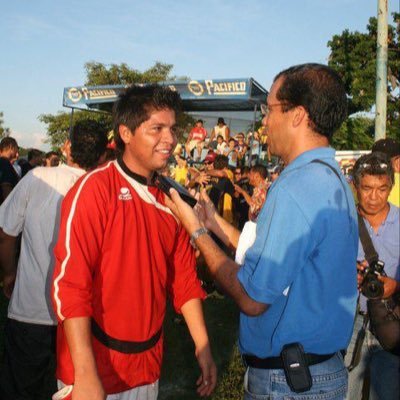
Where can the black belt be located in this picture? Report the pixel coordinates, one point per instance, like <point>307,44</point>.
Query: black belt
<point>124,346</point>
<point>276,362</point>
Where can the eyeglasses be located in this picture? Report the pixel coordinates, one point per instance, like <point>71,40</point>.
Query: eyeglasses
<point>267,108</point>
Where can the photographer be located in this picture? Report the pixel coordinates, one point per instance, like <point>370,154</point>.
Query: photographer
<point>373,180</point>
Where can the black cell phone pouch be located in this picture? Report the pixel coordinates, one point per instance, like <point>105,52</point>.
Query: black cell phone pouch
<point>296,368</point>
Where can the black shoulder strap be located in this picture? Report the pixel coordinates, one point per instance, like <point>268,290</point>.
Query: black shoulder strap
<point>337,174</point>
<point>327,165</point>
<point>370,253</point>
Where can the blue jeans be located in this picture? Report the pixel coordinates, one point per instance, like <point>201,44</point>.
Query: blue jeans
<point>384,368</point>
<point>329,383</point>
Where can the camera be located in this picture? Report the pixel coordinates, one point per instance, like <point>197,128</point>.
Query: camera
<point>371,286</point>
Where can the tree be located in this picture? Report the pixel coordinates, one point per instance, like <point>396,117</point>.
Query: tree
<point>58,125</point>
<point>356,133</point>
<point>3,131</point>
<point>353,56</point>
<point>99,74</point>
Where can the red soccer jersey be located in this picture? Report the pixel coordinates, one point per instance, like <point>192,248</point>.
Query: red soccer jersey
<point>119,252</point>
<point>198,133</point>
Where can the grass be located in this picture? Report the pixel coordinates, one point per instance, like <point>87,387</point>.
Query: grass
<point>180,370</point>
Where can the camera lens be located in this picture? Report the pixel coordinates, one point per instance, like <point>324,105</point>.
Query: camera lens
<point>372,289</point>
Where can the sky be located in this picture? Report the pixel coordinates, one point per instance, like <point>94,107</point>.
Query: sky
<point>44,44</point>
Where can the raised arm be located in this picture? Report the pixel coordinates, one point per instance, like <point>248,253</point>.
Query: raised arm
<point>215,223</point>
<point>222,268</point>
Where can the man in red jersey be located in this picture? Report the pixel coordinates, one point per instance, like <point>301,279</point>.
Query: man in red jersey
<point>119,254</point>
<point>197,135</point>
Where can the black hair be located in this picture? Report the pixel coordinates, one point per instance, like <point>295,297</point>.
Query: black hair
<point>88,143</point>
<point>50,154</point>
<point>375,163</point>
<point>221,162</point>
<point>34,153</point>
<point>135,104</point>
<point>245,170</point>
<point>8,143</point>
<point>221,121</point>
<point>320,90</point>
<point>389,146</point>
<point>260,169</point>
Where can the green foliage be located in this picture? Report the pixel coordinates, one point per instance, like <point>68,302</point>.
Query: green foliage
<point>230,383</point>
<point>353,56</point>
<point>98,74</point>
<point>58,125</point>
<point>3,131</point>
<point>356,133</point>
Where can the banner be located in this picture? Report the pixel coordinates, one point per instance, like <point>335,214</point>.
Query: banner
<point>207,94</point>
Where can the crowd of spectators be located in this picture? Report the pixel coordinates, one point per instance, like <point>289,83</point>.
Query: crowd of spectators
<point>240,149</point>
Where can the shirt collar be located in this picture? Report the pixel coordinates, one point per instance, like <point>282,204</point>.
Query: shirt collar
<point>308,156</point>
<point>139,178</point>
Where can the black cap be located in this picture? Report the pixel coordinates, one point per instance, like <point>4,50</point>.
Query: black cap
<point>389,146</point>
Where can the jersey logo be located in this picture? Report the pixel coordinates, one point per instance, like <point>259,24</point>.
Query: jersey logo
<point>125,194</point>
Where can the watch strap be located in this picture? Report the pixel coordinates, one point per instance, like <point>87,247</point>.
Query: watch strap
<point>197,233</point>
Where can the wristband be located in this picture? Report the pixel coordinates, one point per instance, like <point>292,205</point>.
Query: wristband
<point>196,234</point>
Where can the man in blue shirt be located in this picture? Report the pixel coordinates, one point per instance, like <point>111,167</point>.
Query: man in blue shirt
<point>373,179</point>
<point>298,280</point>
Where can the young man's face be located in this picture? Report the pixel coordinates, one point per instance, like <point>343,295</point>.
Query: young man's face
<point>150,146</point>
<point>372,193</point>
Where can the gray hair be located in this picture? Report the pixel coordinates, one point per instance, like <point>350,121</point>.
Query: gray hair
<point>375,163</point>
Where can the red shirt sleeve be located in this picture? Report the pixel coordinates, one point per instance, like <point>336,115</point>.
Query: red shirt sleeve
<point>78,249</point>
<point>184,284</point>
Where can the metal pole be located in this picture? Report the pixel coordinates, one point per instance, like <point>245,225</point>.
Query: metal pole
<point>381,71</point>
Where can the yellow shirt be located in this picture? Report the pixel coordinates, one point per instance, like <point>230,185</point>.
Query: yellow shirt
<point>181,175</point>
<point>394,196</point>
<point>228,204</point>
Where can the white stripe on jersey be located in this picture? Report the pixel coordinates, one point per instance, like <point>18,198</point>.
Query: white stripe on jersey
<point>67,239</point>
